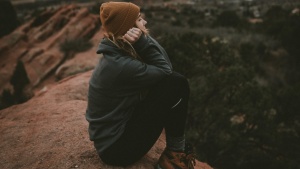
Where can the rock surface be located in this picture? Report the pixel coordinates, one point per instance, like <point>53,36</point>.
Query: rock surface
<point>37,44</point>
<point>50,131</point>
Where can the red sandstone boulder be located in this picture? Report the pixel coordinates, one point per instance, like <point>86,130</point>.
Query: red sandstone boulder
<point>37,44</point>
<point>50,131</point>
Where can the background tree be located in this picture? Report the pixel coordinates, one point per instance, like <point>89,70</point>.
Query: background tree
<point>8,18</point>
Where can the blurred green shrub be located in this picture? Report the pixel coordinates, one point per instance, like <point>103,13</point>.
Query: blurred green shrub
<point>228,19</point>
<point>245,88</point>
<point>280,24</point>
<point>234,121</point>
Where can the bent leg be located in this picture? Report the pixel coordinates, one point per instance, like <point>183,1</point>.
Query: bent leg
<point>165,106</point>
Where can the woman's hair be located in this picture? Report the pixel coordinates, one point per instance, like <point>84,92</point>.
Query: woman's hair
<point>123,44</point>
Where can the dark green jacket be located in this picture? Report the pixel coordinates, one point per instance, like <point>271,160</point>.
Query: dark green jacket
<point>116,85</point>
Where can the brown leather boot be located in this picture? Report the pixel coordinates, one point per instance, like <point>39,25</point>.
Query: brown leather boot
<point>176,160</point>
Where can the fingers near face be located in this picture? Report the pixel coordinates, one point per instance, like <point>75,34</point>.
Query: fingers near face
<point>133,35</point>
<point>136,31</point>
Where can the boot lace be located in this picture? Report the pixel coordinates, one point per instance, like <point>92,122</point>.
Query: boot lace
<point>190,156</point>
<point>189,160</point>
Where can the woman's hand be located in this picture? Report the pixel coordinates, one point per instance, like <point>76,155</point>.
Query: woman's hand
<point>133,35</point>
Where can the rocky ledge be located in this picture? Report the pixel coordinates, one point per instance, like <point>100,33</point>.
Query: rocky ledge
<point>50,131</point>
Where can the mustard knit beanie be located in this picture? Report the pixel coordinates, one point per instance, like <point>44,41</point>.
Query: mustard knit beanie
<point>118,17</point>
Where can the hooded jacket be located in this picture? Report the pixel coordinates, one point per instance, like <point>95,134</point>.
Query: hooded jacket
<point>116,84</point>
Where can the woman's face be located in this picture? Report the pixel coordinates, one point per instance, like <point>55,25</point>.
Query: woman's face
<point>140,23</point>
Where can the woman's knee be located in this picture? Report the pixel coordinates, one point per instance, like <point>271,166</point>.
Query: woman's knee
<point>173,86</point>
<point>181,81</point>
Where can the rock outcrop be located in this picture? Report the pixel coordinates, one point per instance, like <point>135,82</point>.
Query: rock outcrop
<point>38,45</point>
<point>50,131</point>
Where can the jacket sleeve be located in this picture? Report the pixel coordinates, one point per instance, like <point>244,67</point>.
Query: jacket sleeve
<point>150,53</point>
<point>138,74</point>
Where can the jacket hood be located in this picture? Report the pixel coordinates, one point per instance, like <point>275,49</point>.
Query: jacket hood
<point>107,46</point>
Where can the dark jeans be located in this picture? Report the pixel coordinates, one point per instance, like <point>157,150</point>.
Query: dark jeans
<point>149,118</point>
